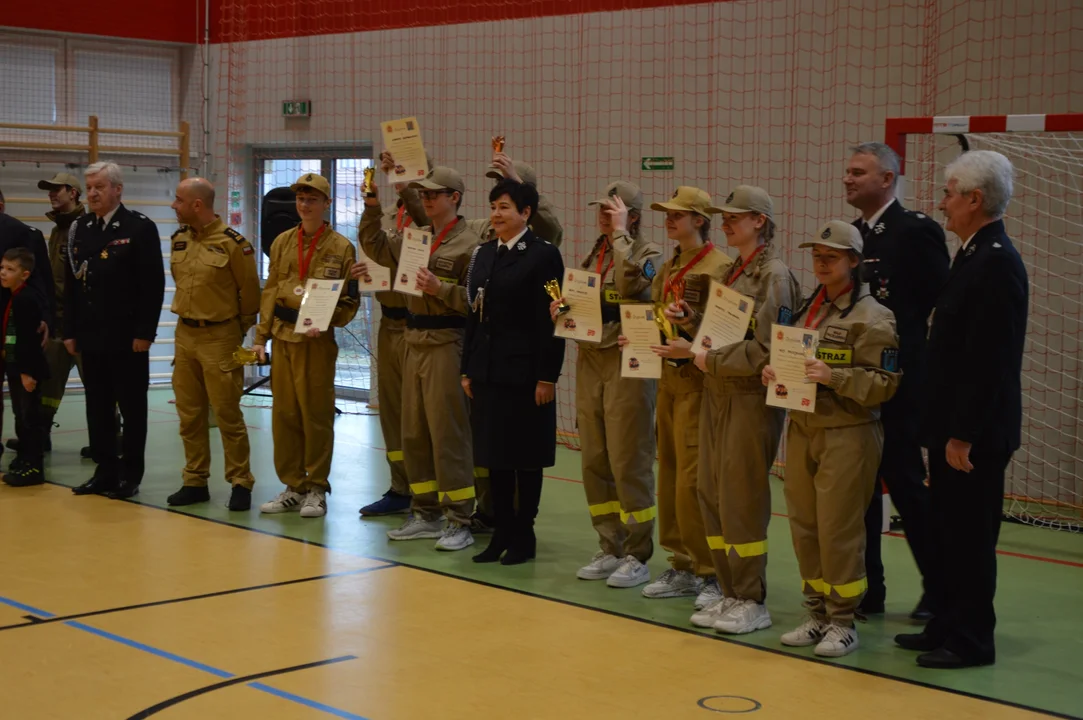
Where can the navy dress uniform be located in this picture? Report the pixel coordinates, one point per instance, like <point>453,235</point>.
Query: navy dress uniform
<point>112,297</point>
<point>906,265</point>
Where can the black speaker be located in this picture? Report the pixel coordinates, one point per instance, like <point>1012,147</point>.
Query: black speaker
<point>277,215</point>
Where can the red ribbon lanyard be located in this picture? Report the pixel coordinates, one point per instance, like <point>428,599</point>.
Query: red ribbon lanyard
<point>702,254</point>
<point>745,265</point>
<point>7,312</point>
<point>440,238</point>
<point>814,309</point>
<point>601,259</point>
<point>400,224</point>
<point>303,261</point>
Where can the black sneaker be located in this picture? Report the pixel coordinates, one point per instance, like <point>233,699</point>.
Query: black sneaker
<point>240,499</point>
<point>24,474</point>
<point>189,496</point>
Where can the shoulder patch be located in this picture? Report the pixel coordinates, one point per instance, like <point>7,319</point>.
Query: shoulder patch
<point>785,316</point>
<point>248,250</point>
<point>889,360</point>
<point>648,270</point>
<point>235,235</point>
<point>181,229</point>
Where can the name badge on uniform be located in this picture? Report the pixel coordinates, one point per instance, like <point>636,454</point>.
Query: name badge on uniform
<point>691,295</point>
<point>445,264</point>
<point>332,273</point>
<point>836,334</point>
<point>613,297</point>
<point>180,245</point>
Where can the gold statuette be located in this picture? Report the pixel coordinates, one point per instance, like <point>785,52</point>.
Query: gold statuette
<point>553,288</point>
<point>678,287</point>
<point>245,356</point>
<point>368,186</point>
<point>664,325</point>
<point>498,144</point>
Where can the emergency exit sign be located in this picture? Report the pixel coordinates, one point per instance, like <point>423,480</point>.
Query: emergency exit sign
<point>297,108</point>
<point>656,163</point>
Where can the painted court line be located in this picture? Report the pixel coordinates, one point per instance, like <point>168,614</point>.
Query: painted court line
<point>187,662</point>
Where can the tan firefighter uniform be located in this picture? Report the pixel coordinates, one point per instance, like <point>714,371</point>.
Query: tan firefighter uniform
<point>615,415</point>
<point>436,436</point>
<point>302,367</point>
<point>741,433</point>
<point>680,392</point>
<point>391,344</point>
<point>56,355</point>
<point>832,455</point>
<point>216,302</point>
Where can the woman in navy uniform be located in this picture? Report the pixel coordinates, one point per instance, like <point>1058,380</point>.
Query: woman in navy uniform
<point>510,366</point>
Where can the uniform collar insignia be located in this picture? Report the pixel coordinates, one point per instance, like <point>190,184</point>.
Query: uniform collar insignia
<point>879,228</point>
<point>521,246</point>
<point>971,248</point>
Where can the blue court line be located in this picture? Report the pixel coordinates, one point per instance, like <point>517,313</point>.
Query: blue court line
<point>225,675</point>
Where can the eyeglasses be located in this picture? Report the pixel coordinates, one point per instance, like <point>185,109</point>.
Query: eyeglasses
<point>433,194</point>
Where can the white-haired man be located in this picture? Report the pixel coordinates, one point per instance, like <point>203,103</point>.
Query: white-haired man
<point>973,411</point>
<point>112,301</point>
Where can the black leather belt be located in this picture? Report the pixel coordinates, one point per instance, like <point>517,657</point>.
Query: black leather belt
<point>435,322</point>
<point>203,323</point>
<point>285,314</point>
<point>393,313</point>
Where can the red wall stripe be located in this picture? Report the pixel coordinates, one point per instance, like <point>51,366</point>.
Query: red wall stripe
<point>162,20</point>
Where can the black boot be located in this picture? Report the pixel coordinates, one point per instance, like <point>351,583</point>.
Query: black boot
<point>502,489</point>
<point>524,545</point>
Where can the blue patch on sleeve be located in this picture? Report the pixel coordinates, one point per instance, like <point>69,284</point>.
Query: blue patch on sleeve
<point>648,270</point>
<point>785,316</point>
<point>889,360</point>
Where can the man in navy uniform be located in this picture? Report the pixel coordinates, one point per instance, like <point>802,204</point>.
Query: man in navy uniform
<point>112,301</point>
<point>906,264</point>
<point>973,411</point>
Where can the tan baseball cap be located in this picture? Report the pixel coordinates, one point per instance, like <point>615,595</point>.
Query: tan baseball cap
<point>837,234</point>
<point>60,180</point>
<point>526,173</point>
<point>688,199</point>
<point>749,198</point>
<point>441,178</point>
<point>313,182</point>
<point>626,191</point>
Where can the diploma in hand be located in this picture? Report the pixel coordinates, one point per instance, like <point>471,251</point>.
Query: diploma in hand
<point>553,288</point>
<point>368,185</point>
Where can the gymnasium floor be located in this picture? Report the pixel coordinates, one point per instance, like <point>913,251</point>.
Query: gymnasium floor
<point>124,610</point>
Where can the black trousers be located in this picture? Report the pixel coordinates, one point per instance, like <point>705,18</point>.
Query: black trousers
<point>26,408</point>
<point>966,509</point>
<point>516,496</point>
<point>117,378</point>
<point>903,471</point>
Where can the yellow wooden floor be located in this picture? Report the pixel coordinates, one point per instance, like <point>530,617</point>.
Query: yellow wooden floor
<point>114,610</point>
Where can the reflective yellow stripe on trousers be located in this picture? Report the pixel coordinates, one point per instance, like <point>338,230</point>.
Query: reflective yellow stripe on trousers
<point>744,550</point>
<point>394,456</point>
<point>424,487</point>
<point>848,590</point>
<point>639,516</point>
<point>457,495</point>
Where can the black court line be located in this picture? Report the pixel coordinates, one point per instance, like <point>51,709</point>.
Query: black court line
<point>656,623</point>
<point>36,621</point>
<point>166,704</point>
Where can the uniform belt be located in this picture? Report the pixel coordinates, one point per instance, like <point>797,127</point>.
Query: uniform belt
<point>203,323</point>
<point>393,313</point>
<point>610,313</point>
<point>435,322</point>
<point>285,314</point>
<point>678,362</point>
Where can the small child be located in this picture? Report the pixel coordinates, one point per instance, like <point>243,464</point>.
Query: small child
<point>24,366</point>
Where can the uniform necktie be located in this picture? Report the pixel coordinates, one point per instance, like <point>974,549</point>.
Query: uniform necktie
<point>865,230</point>
<point>501,251</point>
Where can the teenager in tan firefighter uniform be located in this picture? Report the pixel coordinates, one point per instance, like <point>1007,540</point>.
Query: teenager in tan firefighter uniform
<point>615,415</point>
<point>216,302</point>
<point>391,348</point>
<point>739,435</point>
<point>303,363</point>
<point>436,436</point>
<point>680,524</point>
<point>832,454</point>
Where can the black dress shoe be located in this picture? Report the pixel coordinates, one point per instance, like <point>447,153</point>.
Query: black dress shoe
<point>918,641</point>
<point>944,659</point>
<point>85,452</point>
<point>188,495</point>
<point>921,613</point>
<point>240,499</point>
<point>124,490</point>
<point>871,606</point>
<point>13,444</point>
<point>97,485</point>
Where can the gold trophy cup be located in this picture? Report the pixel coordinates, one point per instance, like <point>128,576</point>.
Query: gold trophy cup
<point>553,288</point>
<point>368,185</point>
<point>245,356</point>
<point>678,287</point>
<point>498,144</point>
<point>660,320</point>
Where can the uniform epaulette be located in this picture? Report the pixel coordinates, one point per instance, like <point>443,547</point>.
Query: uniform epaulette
<point>235,235</point>
<point>140,215</point>
<point>181,229</point>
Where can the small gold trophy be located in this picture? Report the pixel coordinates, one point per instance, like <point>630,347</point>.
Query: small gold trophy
<point>368,185</point>
<point>663,324</point>
<point>245,356</point>
<point>678,287</point>
<point>498,144</point>
<point>553,288</point>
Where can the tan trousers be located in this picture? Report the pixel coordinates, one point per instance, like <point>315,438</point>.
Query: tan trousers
<point>739,438</point>
<point>830,475</point>
<point>52,390</point>
<point>616,435</point>
<point>436,434</point>
<point>206,376</point>
<point>680,522</point>
<point>390,355</point>
<point>303,414</point>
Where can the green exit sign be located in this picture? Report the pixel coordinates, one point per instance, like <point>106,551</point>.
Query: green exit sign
<point>297,108</point>
<point>656,163</point>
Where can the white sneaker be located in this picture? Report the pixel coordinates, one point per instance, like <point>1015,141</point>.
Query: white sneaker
<point>810,632</point>
<point>708,616</point>
<point>744,616</point>
<point>630,573</point>
<point>601,566</point>
<point>455,537</point>
<point>838,641</point>
<point>417,529</point>
<point>315,504</point>
<point>710,594</point>
<point>285,501</point>
<point>674,583</point>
